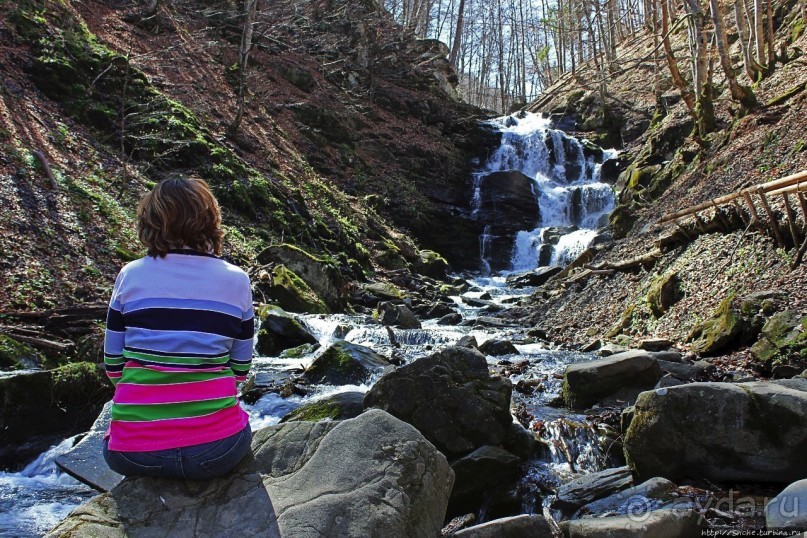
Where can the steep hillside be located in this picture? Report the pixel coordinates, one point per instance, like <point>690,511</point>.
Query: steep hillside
<point>108,100</point>
<point>707,264</point>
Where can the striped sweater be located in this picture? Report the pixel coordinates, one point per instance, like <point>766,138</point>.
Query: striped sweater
<point>178,338</point>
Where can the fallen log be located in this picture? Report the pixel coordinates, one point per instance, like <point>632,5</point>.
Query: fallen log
<point>39,342</point>
<point>631,263</point>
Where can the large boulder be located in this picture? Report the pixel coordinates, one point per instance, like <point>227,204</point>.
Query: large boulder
<point>320,275</point>
<point>40,408</point>
<point>658,524</point>
<point>344,363</point>
<point>280,331</point>
<point>497,347</point>
<point>721,432</point>
<point>623,374</point>
<point>450,397</point>
<point>788,510</point>
<point>537,277</point>
<point>727,329</point>
<point>369,476</point>
<point>283,287</point>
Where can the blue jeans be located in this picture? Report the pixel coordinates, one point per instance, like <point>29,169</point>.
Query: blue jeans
<point>197,462</point>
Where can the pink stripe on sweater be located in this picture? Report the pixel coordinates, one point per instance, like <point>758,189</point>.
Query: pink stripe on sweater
<point>129,393</point>
<point>131,365</point>
<point>176,432</point>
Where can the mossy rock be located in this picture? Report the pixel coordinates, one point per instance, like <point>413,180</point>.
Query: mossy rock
<point>299,351</point>
<point>664,292</point>
<point>783,340</point>
<point>384,290</point>
<point>344,363</point>
<point>432,264</point>
<point>727,329</point>
<point>43,407</point>
<point>621,220</point>
<point>279,331</point>
<point>389,256</point>
<point>291,293</point>
<point>16,355</point>
<point>341,406</point>
<point>319,274</point>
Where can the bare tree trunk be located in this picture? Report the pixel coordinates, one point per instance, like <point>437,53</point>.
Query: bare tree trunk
<point>704,108</point>
<point>759,25</point>
<point>678,80</point>
<point>457,35</point>
<point>739,93</point>
<point>752,69</point>
<point>250,13</point>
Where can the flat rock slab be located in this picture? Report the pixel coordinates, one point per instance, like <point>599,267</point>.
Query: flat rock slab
<point>369,476</point>
<point>85,461</point>
<point>590,487</point>
<point>659,524</point>
<point>524,526</point>
<point>655,488</point>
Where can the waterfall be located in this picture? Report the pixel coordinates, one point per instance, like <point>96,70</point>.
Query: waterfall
<point>571,201</point>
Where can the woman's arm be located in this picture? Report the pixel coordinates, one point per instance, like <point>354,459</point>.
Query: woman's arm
<point>241,352</point>
<point>114,335</point>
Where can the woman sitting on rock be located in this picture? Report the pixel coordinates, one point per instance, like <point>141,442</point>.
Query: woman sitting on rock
<point>178,340</point>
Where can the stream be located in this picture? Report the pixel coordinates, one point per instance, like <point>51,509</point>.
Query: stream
<point>33,500</point>
<point>567,203</point>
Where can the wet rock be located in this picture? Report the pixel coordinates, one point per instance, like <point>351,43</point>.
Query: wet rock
<point>486,468</point>
<point>498,347</point>
<point>299,351</point>
<point>520,441</point>
<point>656,488</point>
<point>340,406</point>
<point>535,278</point>
<point>523,526</point>
<point>723,432</point>
<point>85,461</point>
<point>508,203</point>
<point>467,341</point>
<point>593,486</point>
<point>450,397</point>
<point>40,408</point>
<point>371,475</point>
<point>344,363</point>
<point>788,510</point>
<point>655,344</point>
<point>397,316</point>
<point>623,374</point>
<point>440,310</point>
<point>658,524</point>
<point>280,331</point>
<point>450,319</point>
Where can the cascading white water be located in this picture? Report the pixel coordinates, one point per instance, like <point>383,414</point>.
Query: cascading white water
<point>570,193</point>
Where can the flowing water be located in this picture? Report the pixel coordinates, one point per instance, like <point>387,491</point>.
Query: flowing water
<point>572,204</point>
<point>572,201</point>
<point>34,500</point>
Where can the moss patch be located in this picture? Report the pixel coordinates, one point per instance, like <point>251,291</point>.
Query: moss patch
<point>726,329</point>
<point>16,355</point>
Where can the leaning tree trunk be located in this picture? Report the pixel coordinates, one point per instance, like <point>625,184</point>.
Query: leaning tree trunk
<point>250,13</point>
<point>739,93</point>
<point>672,63</point>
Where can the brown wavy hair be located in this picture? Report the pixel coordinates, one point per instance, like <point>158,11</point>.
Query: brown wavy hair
<point>180,212</point>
